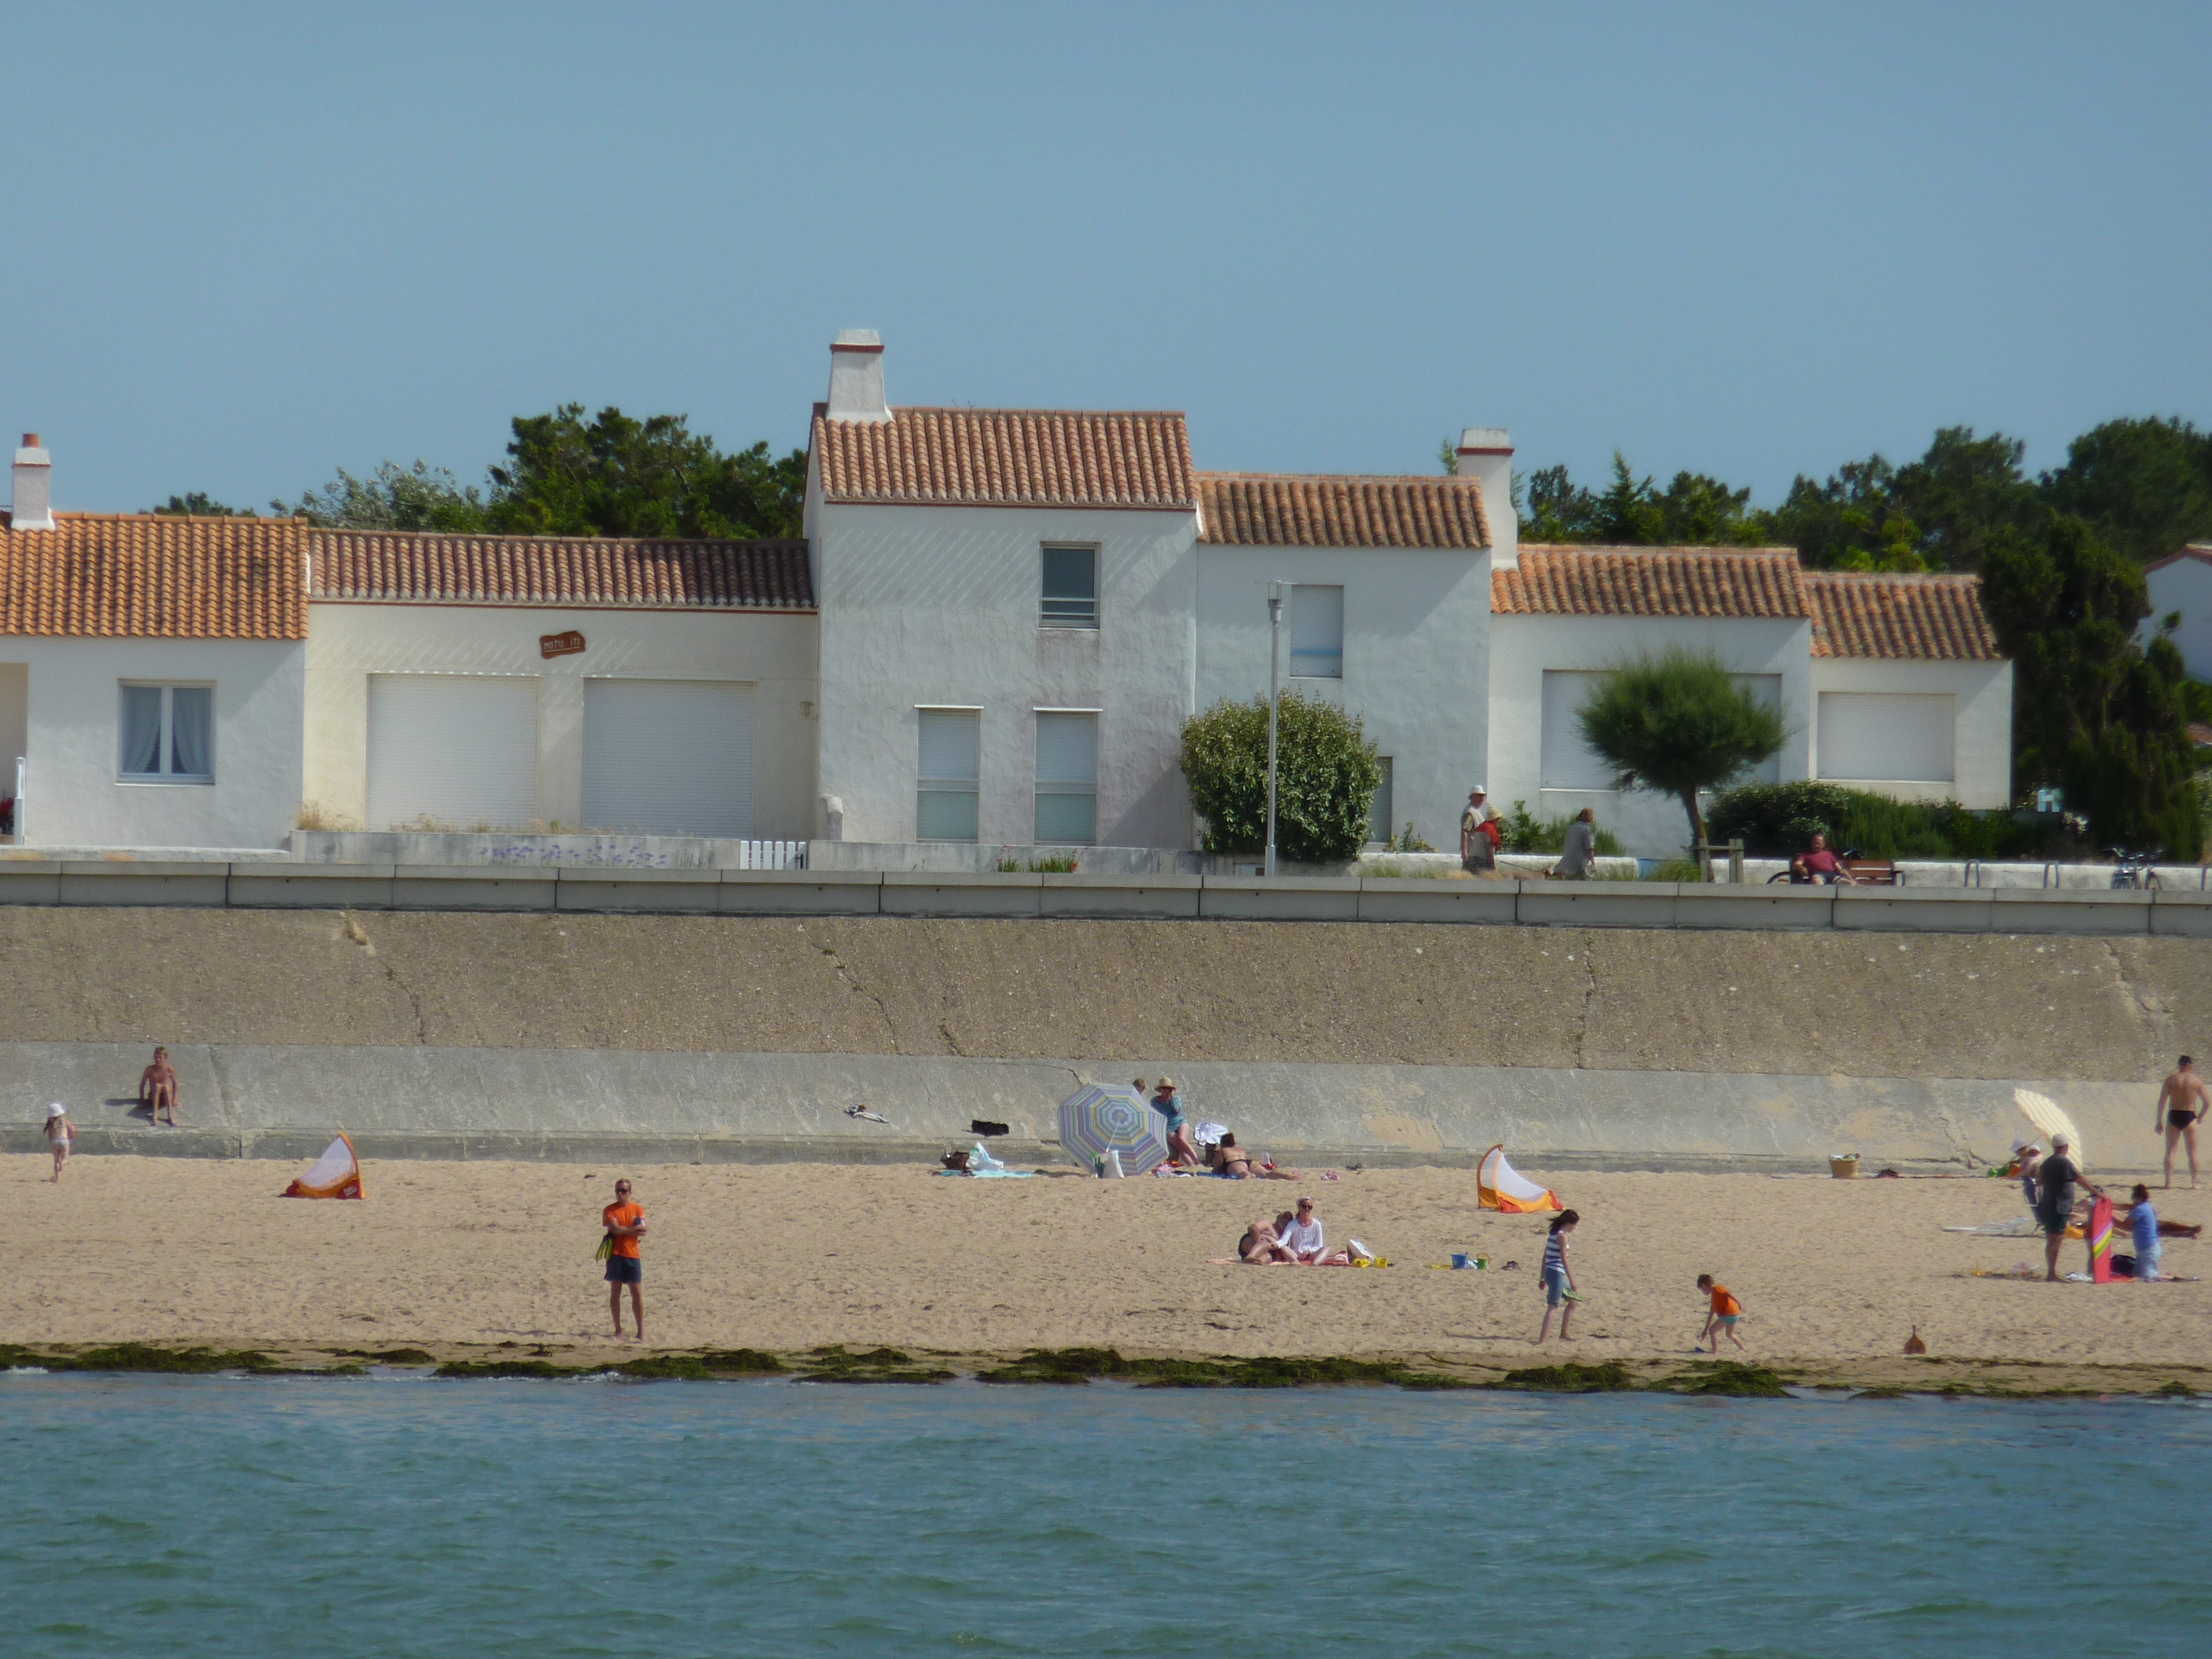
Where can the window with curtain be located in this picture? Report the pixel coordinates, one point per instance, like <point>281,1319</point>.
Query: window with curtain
<point>1316,632</point>
<point>950,775</point>
<point>168,735</point>
<point>1066,779</point>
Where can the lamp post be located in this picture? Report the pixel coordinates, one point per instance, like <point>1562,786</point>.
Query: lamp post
<point>1274,693</point>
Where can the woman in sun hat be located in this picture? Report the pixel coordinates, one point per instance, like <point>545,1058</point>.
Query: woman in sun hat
<point>59,1132</point>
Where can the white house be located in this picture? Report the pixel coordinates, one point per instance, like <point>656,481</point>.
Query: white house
<point>1888,683</point>
<point>151,673</point>
<point>501,681</point>
<point>1021,607</point>
<point>2180,584</point>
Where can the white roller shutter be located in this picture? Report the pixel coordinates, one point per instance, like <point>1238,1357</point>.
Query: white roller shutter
<point>669,757</point>
<point>1887,737</point>
<point>457,749</point>
<point>1569,763</point>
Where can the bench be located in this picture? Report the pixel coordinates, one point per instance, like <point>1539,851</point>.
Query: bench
<point>1872,872</point>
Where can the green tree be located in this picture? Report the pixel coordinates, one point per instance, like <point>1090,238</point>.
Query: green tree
<point>1326,776</point>
<point>1695,509</point>
<point>198,504</point>
<point>1962,493</point>
<point>1677,724</point>
<point>2094,713</point>
<point>617,476</point>
<point>1853,521</point>
<point>2145,485</point>
<point>395,497</point>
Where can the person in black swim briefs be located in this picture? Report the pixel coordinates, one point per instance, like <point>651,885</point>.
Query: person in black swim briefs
<point>2182,1102</point>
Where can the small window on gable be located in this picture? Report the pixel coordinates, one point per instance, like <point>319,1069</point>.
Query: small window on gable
<point>167,734</point>
<point>1316,632</point>
<point>1071,588</point>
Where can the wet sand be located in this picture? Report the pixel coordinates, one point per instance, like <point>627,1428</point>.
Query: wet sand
<point>457,1257</point>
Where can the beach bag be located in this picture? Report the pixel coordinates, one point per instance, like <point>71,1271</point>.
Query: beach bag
<point>2124,1266</point>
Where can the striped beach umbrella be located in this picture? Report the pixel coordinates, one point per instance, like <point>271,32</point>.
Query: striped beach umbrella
<point>1099,1119</point>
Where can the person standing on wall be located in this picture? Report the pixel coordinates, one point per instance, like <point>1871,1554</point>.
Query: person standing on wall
<point>2182,1104</point>
<point>625,1222</point>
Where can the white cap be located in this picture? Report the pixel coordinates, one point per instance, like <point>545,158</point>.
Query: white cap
<point>1477,789</point>
<point>2061,1140</point>
<point>58,1110</point>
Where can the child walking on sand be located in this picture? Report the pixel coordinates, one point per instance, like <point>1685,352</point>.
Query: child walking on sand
<point>1721,1317</point>
<point>1558,1278</point>
<point>59,1132</point>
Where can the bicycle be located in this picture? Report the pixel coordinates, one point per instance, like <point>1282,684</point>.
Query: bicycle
<point>2133,871</point>
<point>1841,878</point>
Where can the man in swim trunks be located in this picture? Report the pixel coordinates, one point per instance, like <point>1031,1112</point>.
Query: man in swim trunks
<point>2182,1102</point>
<point>625,1224</point>
<point>157,1089</point>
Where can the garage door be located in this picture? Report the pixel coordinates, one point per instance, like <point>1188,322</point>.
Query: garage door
<point>669,757</point>
<point>1885,737</point>
<point>459,750</point>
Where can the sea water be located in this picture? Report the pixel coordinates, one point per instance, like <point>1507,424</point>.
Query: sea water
<point>405,1516</point>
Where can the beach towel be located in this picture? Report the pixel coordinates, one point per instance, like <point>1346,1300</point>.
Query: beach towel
<point>2100,1242</point>
<point>335,1174</point>
<point>1498,1186</point>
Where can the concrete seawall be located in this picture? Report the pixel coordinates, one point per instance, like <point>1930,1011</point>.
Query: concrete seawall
<point>460,1034</point>
<point>559,1103</point>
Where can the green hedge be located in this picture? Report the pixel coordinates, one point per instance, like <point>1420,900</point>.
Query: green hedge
<point>1777,820</point>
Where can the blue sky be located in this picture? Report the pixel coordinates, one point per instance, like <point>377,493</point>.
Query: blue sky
<point>246,244</point>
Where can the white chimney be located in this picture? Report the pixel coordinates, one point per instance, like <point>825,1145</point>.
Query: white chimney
<point>33,507</point>
<point>1485,454</point>
<point>856,377</point>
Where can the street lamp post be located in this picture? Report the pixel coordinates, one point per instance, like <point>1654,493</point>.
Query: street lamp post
<point>1274,693</point>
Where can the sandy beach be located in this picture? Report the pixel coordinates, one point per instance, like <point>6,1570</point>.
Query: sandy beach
<point>457,1256</point>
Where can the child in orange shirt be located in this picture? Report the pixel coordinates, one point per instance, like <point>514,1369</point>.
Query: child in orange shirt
<point>1722,1316</point>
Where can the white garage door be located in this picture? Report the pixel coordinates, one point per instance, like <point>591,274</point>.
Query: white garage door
<point>458,749</point>
<point>669,757</point>
<point>1885,737</point>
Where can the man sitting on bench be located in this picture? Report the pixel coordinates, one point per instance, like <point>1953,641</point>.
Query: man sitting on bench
<point>1818,863</point>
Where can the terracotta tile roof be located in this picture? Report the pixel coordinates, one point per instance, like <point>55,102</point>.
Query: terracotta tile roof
<point>2200,551</point>
<point>1921,617</point>
<point>421,568</point>
<point>1651,581</point>
<point>1007,458</point>
<point>151,576</point>
<point>1272,509</point>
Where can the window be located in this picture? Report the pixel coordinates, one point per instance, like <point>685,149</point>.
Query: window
<point>1071,588</point>
<point>1379,817</point>
<point>1066,779</point>
<point>951,765</point>
<point>1316,633</point>
<point>168,735</point>
<point>1871,737</point>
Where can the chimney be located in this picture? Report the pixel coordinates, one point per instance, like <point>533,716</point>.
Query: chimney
<point>856,377</point>
<point>33,507</point>
<point>1485,454</point>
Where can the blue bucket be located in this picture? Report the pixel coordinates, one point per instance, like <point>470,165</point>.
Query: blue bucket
<point>1460,1259</point>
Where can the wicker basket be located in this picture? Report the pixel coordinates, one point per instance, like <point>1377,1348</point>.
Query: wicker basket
<point>1845,1166</point>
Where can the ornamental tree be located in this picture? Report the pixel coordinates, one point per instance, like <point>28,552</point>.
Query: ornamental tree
<point>1326,773</point>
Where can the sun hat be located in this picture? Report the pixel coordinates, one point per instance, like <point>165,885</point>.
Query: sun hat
<point>1167,1083</point>
<point>58,1110</point>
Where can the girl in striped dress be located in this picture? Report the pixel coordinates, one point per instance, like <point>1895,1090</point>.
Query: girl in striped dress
<point>1558,1278</point>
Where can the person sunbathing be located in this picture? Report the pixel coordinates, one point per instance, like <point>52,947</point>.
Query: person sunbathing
<point>1232,1163</point>
<point>1260,1246</point>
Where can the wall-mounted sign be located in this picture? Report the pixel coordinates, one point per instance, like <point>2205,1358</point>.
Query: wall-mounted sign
<point>561,645</point>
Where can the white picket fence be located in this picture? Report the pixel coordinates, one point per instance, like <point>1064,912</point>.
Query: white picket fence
<point>771,855</point>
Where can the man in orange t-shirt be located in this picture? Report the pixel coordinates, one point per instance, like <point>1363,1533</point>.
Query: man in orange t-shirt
<point>625,1224</point>
<point>1723,1315</point>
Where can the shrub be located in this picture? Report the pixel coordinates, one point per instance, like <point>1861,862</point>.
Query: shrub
<point>1777,820</point>
<point>1326,773</point>
<point>1525,833</point>
<point>1678,724</point>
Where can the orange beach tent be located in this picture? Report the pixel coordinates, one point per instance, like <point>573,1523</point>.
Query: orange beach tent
<point>335,1174</point>
<point>1498,1186</point>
